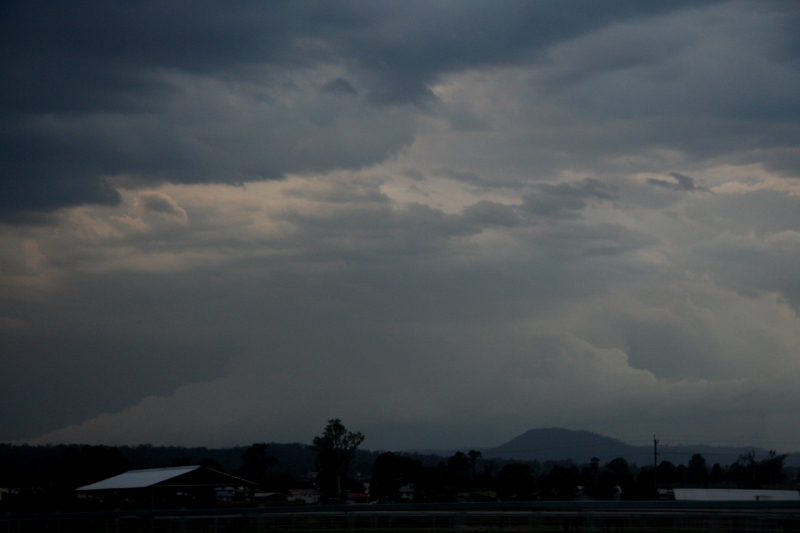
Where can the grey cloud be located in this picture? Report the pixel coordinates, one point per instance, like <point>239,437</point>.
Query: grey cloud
<point>412,173</point>
<point>566,200</point>
<point>339,86</point>
<point>682,183</point>
<point>537,380</point>
<point>112,58</point>
<point>514,294</point>
<point>137,367</point>
<point>466,177</point>
<point>389,297</point>
<point>763,211</point>
<point>615,47</point>
<point>756,83</point>
<point>686,182</point>
<point>352,193</point>
<point>378,234</point>
<point>213,133</point>
<point>554,207</point>
<point>158,202</point>
<point>574,241</point>
<point>674,99</point>
<point>669,351</point>
<point>416,44</point>
<point>342,281</point>
<point>463,120</point>
<point>754,264</point>
<point>491,213</point>
<point>587,188</point>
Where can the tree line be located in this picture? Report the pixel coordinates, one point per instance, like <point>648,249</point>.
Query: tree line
<point>39,478</point>
<point>469,477</point>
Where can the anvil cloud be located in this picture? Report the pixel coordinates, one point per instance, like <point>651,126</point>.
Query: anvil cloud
<point>443,222</point>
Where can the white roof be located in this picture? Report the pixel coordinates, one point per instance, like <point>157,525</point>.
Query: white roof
<point>735,495</point>
<point>136,479</point>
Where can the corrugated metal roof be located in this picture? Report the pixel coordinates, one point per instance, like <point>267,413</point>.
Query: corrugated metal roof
<point>735,495</point>
<point>137,479</point>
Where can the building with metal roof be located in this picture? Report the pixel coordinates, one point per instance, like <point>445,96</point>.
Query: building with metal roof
<point>181,485</point>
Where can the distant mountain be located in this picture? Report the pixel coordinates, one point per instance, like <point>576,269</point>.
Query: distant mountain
<point>557,444</point>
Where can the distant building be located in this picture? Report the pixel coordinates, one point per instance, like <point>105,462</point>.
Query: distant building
<point>357,497</point>
<point>307,496</point>
<point>184,486</point>
<point>269,497</point>
<point>734,495</point>
<point>407,492</point>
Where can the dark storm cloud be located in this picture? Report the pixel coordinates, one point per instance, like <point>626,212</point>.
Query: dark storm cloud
<point>60,62</point>
<point>138,367</point>
<point>424,220</point>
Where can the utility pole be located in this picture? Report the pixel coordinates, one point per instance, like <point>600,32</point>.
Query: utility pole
<point>655,467</point>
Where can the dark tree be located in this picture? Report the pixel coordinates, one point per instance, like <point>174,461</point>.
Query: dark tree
<point>390,473</point>
<point>619,467</point>
<point>698,471</point>
<point>615,477</point>
<point>561,482</point>
<point>336,449</point>
<point>745,471</point>
<point>589,476</point>
<point>607,485</point>
<point>458,473</point>
<point>473,455</point>
<point>256,463</point>
<point>94,463</point>
<point>771,470</point>
<point>643,488</point>
<point>667,473</point>
<point>682,474</point>
<point>717,474</point>
<point>515,482</point>
<point>459,462</point>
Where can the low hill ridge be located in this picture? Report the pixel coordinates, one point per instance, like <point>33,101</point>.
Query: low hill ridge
<point>558,444</point>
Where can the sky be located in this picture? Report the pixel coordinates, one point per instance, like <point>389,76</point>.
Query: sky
<point>444,223</point>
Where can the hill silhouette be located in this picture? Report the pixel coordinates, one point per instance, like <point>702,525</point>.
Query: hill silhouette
<point>558,444</point>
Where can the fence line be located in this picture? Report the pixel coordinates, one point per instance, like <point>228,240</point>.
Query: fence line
<point>518,517</point>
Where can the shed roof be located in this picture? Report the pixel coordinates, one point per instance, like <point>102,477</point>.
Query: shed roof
<point>176,476</point>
